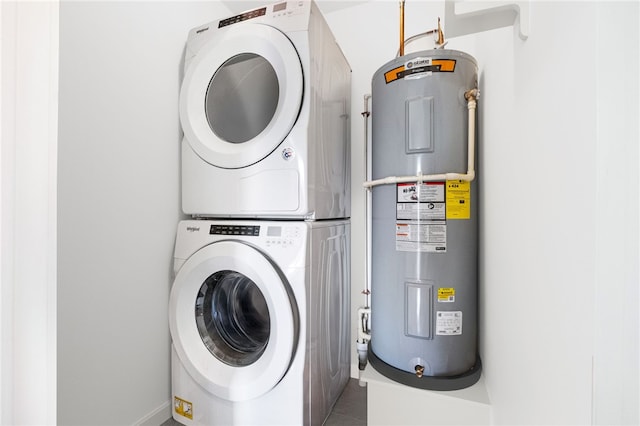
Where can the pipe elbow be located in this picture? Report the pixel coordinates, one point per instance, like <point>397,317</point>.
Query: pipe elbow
<point>472,95</point>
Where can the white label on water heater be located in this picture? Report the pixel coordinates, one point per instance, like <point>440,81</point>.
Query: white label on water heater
<point>420,211</point>
<point>420,192</point>
<point>449,323</point>
<point>421,214</point>
<point>417,68</point>
<point>420,201</point>
<point>421,237</point>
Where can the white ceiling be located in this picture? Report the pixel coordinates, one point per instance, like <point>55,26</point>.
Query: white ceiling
<point>326,6</point>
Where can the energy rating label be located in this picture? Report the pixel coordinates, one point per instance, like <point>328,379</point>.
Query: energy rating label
<point>458,199</point>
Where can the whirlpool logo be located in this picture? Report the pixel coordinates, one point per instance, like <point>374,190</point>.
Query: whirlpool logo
<point>193,228</point>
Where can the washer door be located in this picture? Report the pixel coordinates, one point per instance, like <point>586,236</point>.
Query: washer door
<point>241,95</point>
<point>233,320</point>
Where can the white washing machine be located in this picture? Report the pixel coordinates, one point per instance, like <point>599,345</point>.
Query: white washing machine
<point>264,106</point>
<point>259,319</point>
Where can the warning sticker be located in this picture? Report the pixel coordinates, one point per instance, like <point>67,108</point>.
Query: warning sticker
<point>182,407</point>
<point>421,201</point>
<point>420,192</point>
<point>446,295</point>
<point>449,323</point>
<point>421,213</point>
<point>458,199</point>
<point>417,236</point>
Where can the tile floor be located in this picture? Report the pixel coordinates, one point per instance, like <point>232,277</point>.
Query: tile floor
<point>350,409</point>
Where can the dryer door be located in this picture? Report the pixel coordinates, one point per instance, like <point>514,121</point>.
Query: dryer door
<point>233,320</point>
<point>241,95</point>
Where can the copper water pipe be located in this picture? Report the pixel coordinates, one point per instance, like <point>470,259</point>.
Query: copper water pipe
<point>402,28</point>
<point>440,34</point>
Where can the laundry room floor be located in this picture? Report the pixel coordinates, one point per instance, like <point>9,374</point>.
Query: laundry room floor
<point>350,409</point>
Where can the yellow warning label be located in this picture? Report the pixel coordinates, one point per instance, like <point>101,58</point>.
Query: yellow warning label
<point>458,199</point>
<point>446,294</point>
<point>182,407</point>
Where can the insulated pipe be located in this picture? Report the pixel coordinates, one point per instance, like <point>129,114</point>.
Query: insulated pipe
<point>471,97</point>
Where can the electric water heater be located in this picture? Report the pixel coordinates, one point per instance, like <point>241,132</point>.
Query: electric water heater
<point>424,235</point>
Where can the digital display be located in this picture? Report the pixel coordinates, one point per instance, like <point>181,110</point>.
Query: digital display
<point>279,7</point>
<point>243,17</point>
<point>253,231</point>
<point>274,231</point>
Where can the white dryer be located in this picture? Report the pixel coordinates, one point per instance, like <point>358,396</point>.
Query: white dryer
<point>264,106</point>
<point>259,319</point>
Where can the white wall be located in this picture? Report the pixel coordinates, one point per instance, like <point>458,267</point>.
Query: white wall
<point>616,355</point>
<point>28,124</point>
<point>118,185</point>
<point>559,250</point>
<point>538,222</point>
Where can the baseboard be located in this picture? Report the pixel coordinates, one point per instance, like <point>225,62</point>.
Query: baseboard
<point>157,416</point>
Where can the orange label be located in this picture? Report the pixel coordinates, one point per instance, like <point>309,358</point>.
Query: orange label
<point>431,66</point>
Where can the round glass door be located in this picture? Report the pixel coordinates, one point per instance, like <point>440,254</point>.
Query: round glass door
<point>242,98</point>
<point>234,320</point>
<point>241,95</point>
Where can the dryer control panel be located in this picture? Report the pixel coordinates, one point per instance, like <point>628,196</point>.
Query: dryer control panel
<point>242,17</point>
<point>278,10</point>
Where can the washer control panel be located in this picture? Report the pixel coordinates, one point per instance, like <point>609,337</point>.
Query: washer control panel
<point>235,230</point>
<point>271,235</point>
<point>282,236</point>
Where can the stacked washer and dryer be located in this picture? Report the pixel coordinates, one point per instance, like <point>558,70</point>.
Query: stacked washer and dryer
<point>259,308</point>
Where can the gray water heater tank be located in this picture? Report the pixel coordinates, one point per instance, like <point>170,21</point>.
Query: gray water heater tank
<point>424,257</point>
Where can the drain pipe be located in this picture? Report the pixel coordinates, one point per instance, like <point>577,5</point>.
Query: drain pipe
<point>364,313</point>
<point>367,172</point>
